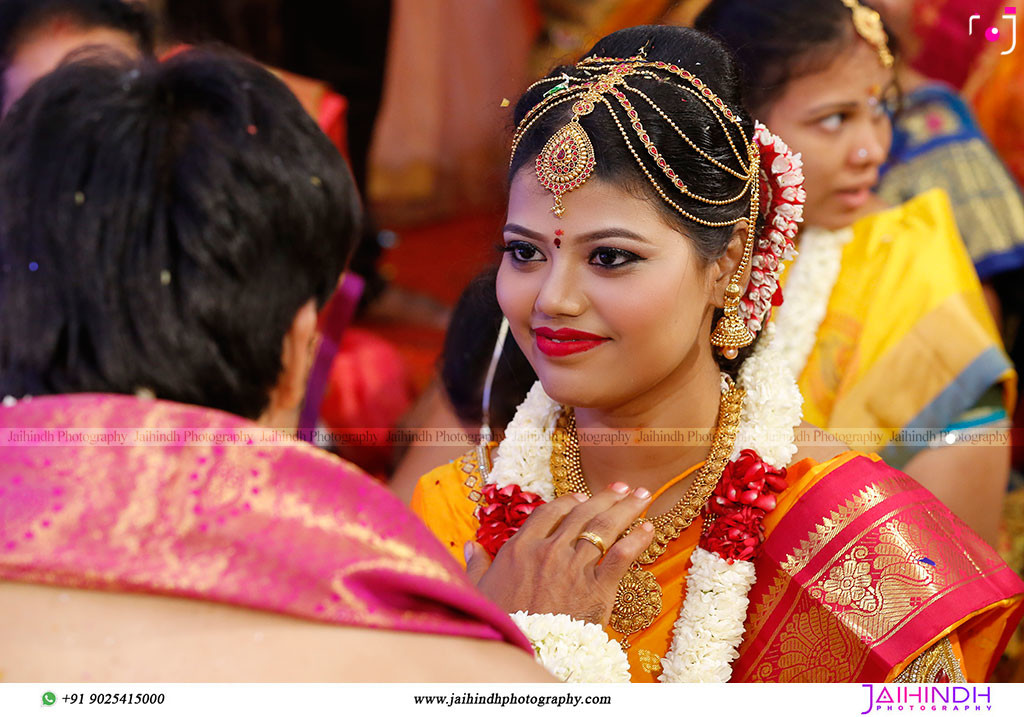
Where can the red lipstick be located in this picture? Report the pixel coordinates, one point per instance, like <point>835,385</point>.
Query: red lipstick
<point>564,342</point>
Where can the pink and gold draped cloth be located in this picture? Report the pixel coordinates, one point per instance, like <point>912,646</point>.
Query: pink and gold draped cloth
<point>867,570</point>
<point>864,577</point>
<point>131,495</point>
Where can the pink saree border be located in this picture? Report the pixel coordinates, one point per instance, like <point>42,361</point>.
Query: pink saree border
<point>863,572</point>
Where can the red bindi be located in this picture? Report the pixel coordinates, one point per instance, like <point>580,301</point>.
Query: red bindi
<point>558,242</point>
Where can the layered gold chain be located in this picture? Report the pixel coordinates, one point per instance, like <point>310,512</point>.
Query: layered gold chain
<point>638,601</point>
<point>567,474</point>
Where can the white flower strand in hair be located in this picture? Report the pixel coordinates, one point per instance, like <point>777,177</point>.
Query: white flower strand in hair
<point>783,195</point>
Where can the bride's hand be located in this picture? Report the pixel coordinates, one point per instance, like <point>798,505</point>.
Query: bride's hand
<point>547,568</point>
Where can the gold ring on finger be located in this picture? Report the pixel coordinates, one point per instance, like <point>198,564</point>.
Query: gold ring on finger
<point>595,540</point>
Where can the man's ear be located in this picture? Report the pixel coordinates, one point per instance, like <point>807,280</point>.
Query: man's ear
<point>298,349</point>
<point>725,266</point>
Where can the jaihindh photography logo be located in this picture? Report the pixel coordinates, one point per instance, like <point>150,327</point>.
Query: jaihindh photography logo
<point>928,698</point>
<point>994,33</point>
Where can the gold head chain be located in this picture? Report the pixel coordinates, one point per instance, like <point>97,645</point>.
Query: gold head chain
<point>868,24</point>
<point>567,159</point>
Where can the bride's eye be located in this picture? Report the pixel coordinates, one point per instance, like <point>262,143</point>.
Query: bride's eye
<point>523,252</point>
<point>609,257</point>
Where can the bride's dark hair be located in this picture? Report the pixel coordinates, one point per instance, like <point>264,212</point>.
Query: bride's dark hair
<point>710,61</point>
<point>475,323</point>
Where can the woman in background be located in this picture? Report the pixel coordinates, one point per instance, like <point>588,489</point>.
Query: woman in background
<point>937,142</point>
<point>903,346</point>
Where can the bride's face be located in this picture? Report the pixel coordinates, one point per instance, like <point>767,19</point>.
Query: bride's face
<point>607,302</point>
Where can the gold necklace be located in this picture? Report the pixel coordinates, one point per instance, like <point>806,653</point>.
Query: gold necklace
<point>638,600</point>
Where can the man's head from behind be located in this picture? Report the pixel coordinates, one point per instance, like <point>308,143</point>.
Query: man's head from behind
<point>170,227</point>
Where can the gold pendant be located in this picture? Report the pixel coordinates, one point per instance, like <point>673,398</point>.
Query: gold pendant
<point>637,602</point>
<point>566,162</point>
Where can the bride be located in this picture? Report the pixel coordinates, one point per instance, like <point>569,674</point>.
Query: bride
<point>648,220</point>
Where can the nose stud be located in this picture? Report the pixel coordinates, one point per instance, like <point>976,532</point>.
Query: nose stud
<point>862,153</point>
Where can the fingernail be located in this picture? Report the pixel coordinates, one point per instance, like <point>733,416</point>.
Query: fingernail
<point>467,551</point>
<point>581,497</point>
<point>642,493</point>
<point>620,488</point>
<point>647,526</point>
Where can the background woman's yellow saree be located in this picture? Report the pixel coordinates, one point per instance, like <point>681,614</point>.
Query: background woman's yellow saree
<point>907,344</point>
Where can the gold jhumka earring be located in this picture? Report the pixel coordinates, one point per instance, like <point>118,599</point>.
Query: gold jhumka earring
<point>567,159</point>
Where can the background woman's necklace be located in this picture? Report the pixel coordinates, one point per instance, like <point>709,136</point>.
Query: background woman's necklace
<point>638,600</point>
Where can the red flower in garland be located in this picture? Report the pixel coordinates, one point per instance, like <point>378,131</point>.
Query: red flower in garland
<point>505,512</point>
<point>734,527</point>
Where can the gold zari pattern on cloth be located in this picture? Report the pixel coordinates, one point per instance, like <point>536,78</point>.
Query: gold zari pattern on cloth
<point>173,516</point>
<point>873,584</point>
<point>937,664</point>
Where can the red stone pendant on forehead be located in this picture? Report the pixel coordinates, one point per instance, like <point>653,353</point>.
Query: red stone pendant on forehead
<point>565,163</point>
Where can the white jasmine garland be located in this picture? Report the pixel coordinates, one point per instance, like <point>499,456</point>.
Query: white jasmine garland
<point>772,406</point>
<point>710,628</point>
<point>524,457</point>
<point>573,650</point>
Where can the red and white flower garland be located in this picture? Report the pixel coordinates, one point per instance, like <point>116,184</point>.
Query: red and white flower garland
<point>710,625</point>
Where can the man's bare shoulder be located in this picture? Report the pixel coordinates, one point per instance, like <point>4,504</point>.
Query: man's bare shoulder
<point>67,635</point>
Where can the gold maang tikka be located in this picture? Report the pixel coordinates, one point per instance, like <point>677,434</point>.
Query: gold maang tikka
<point>567,159</point>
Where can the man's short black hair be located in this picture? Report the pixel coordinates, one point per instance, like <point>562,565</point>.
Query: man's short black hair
<point>160,226</point>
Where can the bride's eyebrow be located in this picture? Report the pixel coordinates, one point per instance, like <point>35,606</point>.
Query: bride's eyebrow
<point>596,235</point>
<point>522,231</point>
<point>613,233</point>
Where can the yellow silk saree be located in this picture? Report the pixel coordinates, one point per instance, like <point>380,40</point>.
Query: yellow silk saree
<point>907,344</point>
